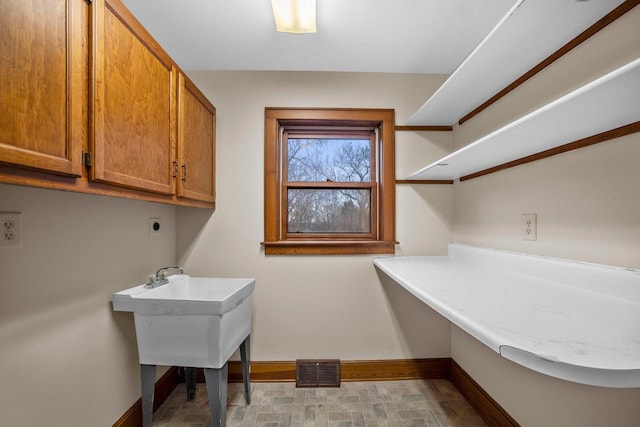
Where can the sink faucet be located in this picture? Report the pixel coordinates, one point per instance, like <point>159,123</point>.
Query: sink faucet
<point>161,277</point>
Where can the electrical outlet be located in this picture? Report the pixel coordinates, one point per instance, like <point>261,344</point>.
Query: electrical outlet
<point>155,226</point>
<point>10,230</point>
<point>530,227</point>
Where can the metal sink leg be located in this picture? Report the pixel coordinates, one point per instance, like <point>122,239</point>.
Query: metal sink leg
<point>190,380</point>
<point>148,377</point>
<point>217,392</point>
<point>245,357</point>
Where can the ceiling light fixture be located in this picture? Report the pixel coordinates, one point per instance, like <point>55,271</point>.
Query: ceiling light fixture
<point>294,16</point>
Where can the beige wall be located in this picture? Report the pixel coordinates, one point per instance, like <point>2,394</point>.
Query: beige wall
<point>588,206</point>
<point>66,359</point>
<point>317,306</point>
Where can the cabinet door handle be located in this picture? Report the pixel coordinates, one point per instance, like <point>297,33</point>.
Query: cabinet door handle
<point>175,168</point>
<point>184,173</point>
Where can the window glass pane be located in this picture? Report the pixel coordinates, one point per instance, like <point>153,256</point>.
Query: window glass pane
<point>322,160</point>
<point>329,211</point>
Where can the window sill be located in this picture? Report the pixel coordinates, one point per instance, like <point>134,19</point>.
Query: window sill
<point>321,247</point>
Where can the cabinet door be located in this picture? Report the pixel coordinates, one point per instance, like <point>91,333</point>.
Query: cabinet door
<point>196,143</point>
<point>41,77</point>
<point>133,139</point>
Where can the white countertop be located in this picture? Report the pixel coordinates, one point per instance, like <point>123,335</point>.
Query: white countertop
<point>576,321</point>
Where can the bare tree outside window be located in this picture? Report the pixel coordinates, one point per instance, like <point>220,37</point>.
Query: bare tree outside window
<point>329,210</point>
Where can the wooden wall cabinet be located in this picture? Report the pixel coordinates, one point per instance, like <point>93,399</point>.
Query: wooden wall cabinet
<point>90,102</point>
<point>132,139</point>
<point>41,84</point>
<point>196,143</point>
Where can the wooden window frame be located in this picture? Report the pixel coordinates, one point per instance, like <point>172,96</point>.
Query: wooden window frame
<point>381,240</point>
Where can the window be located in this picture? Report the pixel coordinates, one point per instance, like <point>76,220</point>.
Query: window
<point>329,181</point>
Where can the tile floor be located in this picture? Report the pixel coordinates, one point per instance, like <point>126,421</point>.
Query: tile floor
<point>413,403</point>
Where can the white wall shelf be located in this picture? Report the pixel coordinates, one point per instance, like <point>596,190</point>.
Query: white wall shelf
<point>606,103</point>
<point>571,320</point>
<point>538,28</point>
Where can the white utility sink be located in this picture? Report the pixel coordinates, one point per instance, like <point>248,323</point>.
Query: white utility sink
<point>190,321</point>
<point>194,322</point>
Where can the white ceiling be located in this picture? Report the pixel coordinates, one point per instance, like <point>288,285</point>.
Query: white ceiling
<point>394,36</point>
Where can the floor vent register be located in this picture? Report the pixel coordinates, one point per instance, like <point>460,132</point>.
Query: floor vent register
<point>318,373</point>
